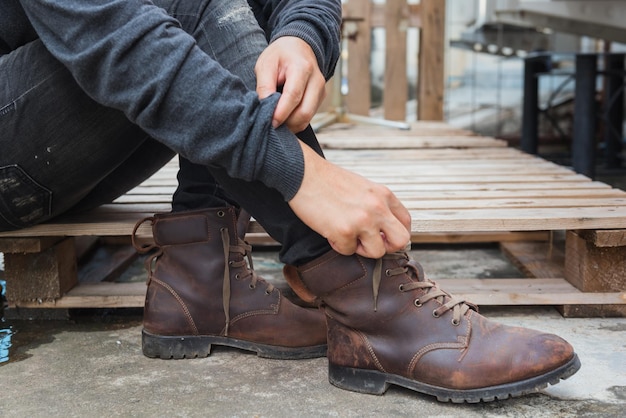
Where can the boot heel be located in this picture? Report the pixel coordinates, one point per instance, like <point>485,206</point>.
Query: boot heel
<point>167,347</point>
<point>358,380</point>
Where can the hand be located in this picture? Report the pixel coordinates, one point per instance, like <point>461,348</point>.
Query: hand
<point>354,214</point>
<point>290,62</point>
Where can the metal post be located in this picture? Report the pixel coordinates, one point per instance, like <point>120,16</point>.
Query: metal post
<point>533,66</point>
<point>584,137</point>
<point>614,109</point>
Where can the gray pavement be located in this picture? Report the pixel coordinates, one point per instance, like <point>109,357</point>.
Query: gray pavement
<point>97,369</point>
<point>91,365</point>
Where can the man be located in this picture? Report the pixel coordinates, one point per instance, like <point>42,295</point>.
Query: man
<point>97,95</point>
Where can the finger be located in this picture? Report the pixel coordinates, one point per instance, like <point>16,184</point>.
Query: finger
<point>267,81</point>
<point>290,99</point>
<point>399,211</point>
<point>395,237</point>
<point>311,100</point>
<point>344,247</point>
<point>373,246</point>
<point>397,226</point>
<point>371,243</point>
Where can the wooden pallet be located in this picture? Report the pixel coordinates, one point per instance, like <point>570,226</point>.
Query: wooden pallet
<point>459,187</point>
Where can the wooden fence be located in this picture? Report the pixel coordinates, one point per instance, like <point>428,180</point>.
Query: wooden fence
<point>360,17</point>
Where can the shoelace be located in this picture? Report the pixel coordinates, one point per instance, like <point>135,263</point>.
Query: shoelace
<point>144,249</point>
<point>458,306</point>
<point>245,250</point>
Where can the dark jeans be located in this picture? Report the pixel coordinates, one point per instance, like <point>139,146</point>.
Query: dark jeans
<point>61,151</point>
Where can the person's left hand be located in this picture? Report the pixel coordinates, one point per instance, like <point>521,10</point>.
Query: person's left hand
<point>290,62</point>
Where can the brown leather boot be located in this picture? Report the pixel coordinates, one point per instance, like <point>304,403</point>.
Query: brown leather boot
<point>202,292</point>
<point>387,325</point>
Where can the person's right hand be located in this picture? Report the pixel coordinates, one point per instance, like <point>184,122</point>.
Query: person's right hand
<point>354,214</point>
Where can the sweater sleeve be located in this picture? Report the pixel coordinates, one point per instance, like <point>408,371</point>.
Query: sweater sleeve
<point>130,55</point>
<point>316,22</point>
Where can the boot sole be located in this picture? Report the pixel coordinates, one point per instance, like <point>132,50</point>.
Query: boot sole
<point>194,346</point>
<point>377,383</point>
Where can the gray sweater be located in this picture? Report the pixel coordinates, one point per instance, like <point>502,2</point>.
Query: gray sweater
<point>110,46</point>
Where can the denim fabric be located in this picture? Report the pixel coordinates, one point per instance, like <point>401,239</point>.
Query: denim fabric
<point>132,56</point>
<point>61,150</point>
<point>59,140</point>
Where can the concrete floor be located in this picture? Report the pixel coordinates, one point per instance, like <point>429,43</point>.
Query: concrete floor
<point>91,365</point>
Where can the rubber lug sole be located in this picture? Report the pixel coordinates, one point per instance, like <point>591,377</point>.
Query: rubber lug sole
<point>193,346</point>
<point>377,383</point>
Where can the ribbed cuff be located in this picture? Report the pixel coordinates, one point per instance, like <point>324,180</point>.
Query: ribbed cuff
<point>308,35</point>
<point>283,166</point>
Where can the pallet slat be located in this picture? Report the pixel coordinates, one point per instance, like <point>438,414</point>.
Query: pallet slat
<point>485,292</point>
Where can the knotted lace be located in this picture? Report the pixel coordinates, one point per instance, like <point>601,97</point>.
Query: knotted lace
<point>245,250</point>
<point>431,291</point>
<point>146,248</point>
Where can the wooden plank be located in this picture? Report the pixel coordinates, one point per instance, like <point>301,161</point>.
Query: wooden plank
<point>432,155</point>
<point>481,291</point>
<point>518,219</point>
<point>428,127</point>
<point>477,237</point>
<point>357,33</point>
<point>41,276</point>
<point>585,194</point>
<point>95,227</point>
<point>466,162</point>
<point>413,15</point>
<point>431,60</point>
<point>94,295</point>
<point>27,245</point>
<point>474,179</point>
<point>594,269</point>
<point>444,187</point>
<point>445,169</point>
<point>605,238</point>
<point>540,291</point>
<point>505,204</point>
<point>395,93</point>
<point>423,220</point>
<point>410,142</point>
<point>606,310</point>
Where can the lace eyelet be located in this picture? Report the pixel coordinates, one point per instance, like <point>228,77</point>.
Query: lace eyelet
<point>401,287</point>
<point>388,272</point>
<point>436,314</point>
<point>237,276</point>
<point>221,213</point>
<point>267,293</point>
<point>251,286</point>
<point>230,263</point>
<point>455,322</point>
<point>417,303</point>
